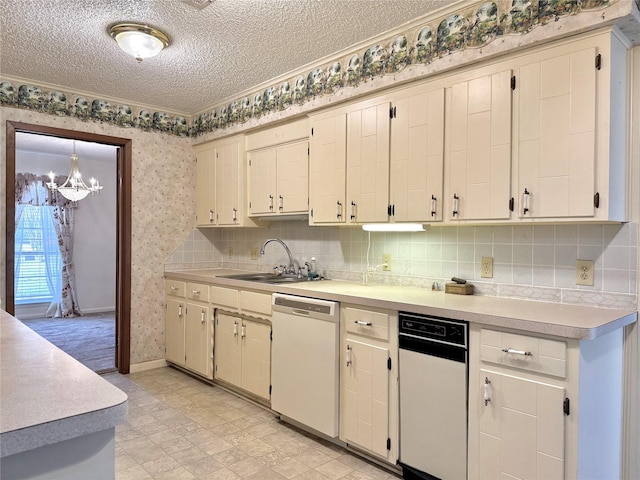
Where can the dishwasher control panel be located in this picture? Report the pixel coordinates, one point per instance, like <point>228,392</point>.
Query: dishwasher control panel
<point>439,329</point>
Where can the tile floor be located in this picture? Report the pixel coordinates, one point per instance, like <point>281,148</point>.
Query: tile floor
<point>181,428</point>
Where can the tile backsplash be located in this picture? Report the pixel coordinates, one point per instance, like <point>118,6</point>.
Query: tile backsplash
<point>536,262</point>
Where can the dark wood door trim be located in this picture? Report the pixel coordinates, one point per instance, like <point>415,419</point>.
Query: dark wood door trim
<point>123,225</point>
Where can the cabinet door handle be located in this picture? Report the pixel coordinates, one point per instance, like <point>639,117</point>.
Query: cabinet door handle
<point>525,201</point>
<point>235,328</point>
<point>348,356</point>
<point>235,214</point>
<point>339,209</point>
<point>280,203</point>
<point>179,310</point>
<point>211,216</point>
<point>456,199</point>
<point>433,205</point>
<point>202,317</point>
<point>353,211</point>
<point>487,397</point>
<point>243,331</point>
<point>517,352</point>
<point>195,292</point>
<point>361,322</point>
<point>271,202</point>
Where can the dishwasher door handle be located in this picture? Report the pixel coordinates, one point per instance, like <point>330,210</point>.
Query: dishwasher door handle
<point>304,313</point>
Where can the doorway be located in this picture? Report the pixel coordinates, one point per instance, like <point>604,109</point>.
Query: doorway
<point>123,226</point>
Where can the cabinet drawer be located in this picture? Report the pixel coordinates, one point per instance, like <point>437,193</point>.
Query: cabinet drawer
<point>174,287</point>
<point>255,302</point>
<point>367,323</point>
<point>535,354</point>
<point>224,297</point>
<point>198,291</point>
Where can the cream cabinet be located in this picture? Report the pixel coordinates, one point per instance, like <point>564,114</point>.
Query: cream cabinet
<point>349,164</point>
<point>174,320</point>
<point>243,353</point>
<point>278,170</point>
<point>417,154</point>
<point>369,381</point>
<point>535,402</point>
<point>571,108</point>
<point>327,168</point>
<point>220,184</point>
<point>479,156</point>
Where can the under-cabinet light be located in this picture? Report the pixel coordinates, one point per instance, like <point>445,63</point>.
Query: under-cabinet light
<point>393,227</point>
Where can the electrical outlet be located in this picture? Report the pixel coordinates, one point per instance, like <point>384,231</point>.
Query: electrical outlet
<point>254,253</point>
<point>584,272</point>
<point>486,267</point>
<point>230,252</point>
<point>386,258</point>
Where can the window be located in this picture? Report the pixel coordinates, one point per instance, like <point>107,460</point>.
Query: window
<point>37,257</point>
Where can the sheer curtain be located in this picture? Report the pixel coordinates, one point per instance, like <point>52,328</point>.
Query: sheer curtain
<point>59,214</point>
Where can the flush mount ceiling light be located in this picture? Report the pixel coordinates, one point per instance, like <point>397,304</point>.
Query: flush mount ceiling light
<point>139,41</point>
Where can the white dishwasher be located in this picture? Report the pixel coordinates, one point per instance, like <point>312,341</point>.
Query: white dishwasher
<point>304,361</point>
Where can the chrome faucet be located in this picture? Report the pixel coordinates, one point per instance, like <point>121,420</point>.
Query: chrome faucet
<point>291,265</point>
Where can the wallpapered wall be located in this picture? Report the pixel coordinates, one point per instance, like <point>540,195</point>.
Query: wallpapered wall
<point>163,204</point>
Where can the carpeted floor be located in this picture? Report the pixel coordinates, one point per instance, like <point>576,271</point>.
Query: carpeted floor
<point>90,339</point>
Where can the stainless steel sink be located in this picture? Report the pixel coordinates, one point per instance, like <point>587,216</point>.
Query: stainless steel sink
<point>266,278</point>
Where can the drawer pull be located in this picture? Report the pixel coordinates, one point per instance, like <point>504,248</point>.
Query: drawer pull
<point>195,292</point>
<point>173,288</point>
<point>360,322</point>
<point>487,398</point>
<point>517,352</point>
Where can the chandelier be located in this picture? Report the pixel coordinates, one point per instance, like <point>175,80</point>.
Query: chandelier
<point>74,188</point>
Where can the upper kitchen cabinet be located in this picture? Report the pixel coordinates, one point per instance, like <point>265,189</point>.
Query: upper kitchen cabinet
<point>349,164</point>
<point>327,168</point>
<point>570,105</point>
<point>417,154</point>
<point>479,157</point>
<point>220,184</point>
<point>278,170</point>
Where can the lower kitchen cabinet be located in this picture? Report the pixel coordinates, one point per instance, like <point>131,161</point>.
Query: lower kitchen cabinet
<point>198,339</point>
<point>369,382</point>
<point>174,331</point>
<point>243,353</point>
<point>544,408</point>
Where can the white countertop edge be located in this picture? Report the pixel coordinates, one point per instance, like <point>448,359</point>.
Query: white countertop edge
<point>24,439</point>
<point>556,319</point>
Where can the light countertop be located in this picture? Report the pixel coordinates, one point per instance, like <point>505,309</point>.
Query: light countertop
<point>562,320</point>
<point>47,396</point>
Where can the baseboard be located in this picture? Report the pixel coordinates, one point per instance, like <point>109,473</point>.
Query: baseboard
<point>141,367</point>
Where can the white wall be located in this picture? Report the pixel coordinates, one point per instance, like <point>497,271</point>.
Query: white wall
<point>95,229</point>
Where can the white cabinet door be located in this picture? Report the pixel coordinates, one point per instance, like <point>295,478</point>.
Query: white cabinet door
<point>366,396</point>
<point>228,353</point>
<point>256,357</point>
<point>557,136</point>
<point>198,335</point>
<point>522,426</point>
<point>327,169</point>
<point>417,157</point>
<point>293,177</point>
<point>480,148</point>
<point>205,188</point>
<point>174,331</point>
<point>262,181</point>
<point>229,210</point>
<point>368,164</point>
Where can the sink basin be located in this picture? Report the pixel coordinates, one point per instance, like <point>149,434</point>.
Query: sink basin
<point>265,278</point>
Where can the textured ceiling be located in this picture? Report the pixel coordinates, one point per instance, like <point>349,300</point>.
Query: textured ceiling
<point>215,53</point>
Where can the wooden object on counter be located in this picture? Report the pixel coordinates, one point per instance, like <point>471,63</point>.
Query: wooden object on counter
<point>458,288</point>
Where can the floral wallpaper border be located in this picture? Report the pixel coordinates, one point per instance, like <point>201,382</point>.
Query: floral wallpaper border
<point>474,27</point>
